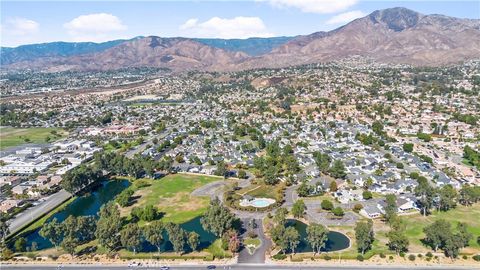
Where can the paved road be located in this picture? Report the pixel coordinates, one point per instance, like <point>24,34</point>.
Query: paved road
<point>259,255</point>
<point>37,211</point>
<point>239,267</point>
<point>139,149</point>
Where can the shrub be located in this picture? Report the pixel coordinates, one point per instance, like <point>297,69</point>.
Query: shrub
<point>476,258</point>
<point>357,208</point>
<point>359,258</point>
<point>429,254</point>
<point>465,257</point>
<point>326,205</point>
<point>383,256</point>
<point>279,256</point>
<point>402,254</point>
<point>338,211</point>
<point>327,257</point>
<point>411,257</point>
<point>390,257</point>
<point>420,255</point>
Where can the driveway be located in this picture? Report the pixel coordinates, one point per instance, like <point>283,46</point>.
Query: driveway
<point>259,255</point>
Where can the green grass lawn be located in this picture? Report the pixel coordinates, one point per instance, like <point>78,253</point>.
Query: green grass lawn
<point>216,250</point>
<point>10,137</point>
<point>252,241</point>
<point>171,195</point>
<point>469,215</point>
<point>259,191</point>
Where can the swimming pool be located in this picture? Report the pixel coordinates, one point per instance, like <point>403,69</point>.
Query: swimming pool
<point>257,202</point>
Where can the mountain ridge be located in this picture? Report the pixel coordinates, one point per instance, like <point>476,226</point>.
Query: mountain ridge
<point>394,35</point>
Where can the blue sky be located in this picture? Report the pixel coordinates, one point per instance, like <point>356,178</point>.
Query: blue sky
<point>26,22</point>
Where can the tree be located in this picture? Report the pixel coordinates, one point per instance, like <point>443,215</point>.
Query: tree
<point>79,178</point>
<point>397,238</point>
<point>452,246</point>
<point>271,176</point>
<point>447,196</point>
<point>326,205</point>
<point>425,194</point>
<point>130,237</point>
<point>217,218</point>
<point>20,244</point>
<point>53,231</point>
<point>338,169</point>
<point>292,238</point>
<point>377,127</point>
<point>177,236</point>
<point>242,174</point>
<point>298,209</point>
<point>367,195</point>
<point>391,207</point>
<point>221,169</point>
<point>154,234</point>
<point>323,161</point>
<point>280,216</point>
<point>69,244</point>
<point>333,186</point>
<point>437,233</point>
<point>108,226</point>
<point>304,190</point>
<point>317,236</point>
<point>408,147</point>
<point>193,240</point>
<point>278,237</point>
<point>4,230</point>
<point>123,199</point>
<point>150,213</point>
<point>338,211</point>
<point>469,195</point>
<point>364,235</point>
<point>440,235</point>
<point>232,241</point>
<point>462,234</point>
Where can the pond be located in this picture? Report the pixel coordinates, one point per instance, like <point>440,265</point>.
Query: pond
<point>336,240</point>
<point>82,206</point>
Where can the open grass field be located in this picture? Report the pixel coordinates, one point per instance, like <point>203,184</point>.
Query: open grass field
<point>171,195</point>
<point>469,215</point>
<point>10,137</point>
<point>416,222</point>
<point>258,191</point>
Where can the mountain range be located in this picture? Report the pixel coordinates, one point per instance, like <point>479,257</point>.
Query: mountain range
<point>395,35</point>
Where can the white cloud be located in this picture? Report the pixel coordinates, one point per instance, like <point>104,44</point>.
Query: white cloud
<point>20,26</point>
<point>346,17</point>
<point>94,27</point>
<point>238,27</point>
<point>314,6</point>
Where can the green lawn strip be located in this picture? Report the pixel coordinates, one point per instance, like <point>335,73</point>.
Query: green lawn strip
<point>40,221</point>
<point>128,255</point>
<point>217,251</point>
<point>10,137</point>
